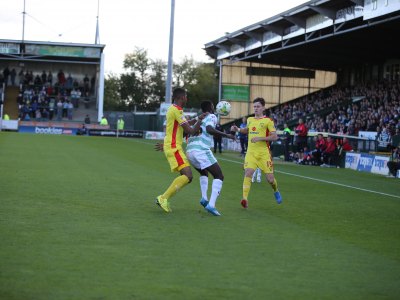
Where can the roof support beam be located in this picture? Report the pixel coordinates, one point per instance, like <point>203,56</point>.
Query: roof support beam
<point>296,21</point>
<point>254,35</point>
<point>324,11</point>
<point>275,29</point>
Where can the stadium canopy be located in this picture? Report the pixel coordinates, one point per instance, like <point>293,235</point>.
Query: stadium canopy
<point>325,35</point>
<point>50,52</point>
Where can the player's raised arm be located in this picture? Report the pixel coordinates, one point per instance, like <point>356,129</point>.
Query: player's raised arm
<point>211,130</point>
<point>234,128</point>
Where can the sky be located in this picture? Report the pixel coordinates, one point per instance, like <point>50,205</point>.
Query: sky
<point>127,24</point>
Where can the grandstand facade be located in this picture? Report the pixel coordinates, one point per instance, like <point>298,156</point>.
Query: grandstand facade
<point>45,72</point>
<point>308,48</point>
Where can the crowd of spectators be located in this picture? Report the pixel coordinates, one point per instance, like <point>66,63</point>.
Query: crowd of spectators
<point>372,107</point>
<point>43,96</point>
<point>369,107</point>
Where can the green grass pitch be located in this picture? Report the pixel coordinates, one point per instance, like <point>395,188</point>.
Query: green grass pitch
<point>78,220</point>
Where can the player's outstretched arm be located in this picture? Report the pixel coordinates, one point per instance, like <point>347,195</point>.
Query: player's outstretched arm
<point>211,130</point>
<point>234,128</point>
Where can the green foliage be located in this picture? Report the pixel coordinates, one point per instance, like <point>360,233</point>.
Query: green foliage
<point>112,94</point>
<point>78,221</point>
<point>143,84</point>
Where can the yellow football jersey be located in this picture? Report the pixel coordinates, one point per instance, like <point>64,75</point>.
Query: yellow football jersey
<point>174,132</point>
<point>259,127</point>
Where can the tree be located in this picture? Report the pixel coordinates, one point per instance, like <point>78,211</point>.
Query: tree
<point>136,83</point>
<point>143,84</point>
<point>204,86</point>
<point>112,94</point>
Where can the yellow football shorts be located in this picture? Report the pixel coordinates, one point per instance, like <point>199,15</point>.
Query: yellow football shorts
<point>262,161</point>
<point>177,159</point>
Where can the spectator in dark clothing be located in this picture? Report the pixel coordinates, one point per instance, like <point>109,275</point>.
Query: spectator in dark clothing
<point>394,163</point>
<point>218,139</point>
<point>320,145</point>
<point>87,119</point>
<point>243,138</point>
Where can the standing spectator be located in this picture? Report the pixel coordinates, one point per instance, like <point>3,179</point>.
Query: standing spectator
<point>384,139</point>
<point>87,119</point>
<point>65,109</point>
<point>13,74</point>
<point>59,109</point>
<point>70,109</point>
<point>6,73</point>
<point>394,163</point>
<point>243,137</point>
<point>287,137</point>
<point>69,83</point>
<point>61,78</point>
<point>21,78</point>
<point>74,97</point>
<point>50,78</point>
<point>301,135</point>
<point>92,84</point>
<point>218,139</point>
<point>120,124</point>
<point>86,84</point>
<point>44,77</point>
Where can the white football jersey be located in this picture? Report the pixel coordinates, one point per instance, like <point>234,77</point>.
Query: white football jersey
<point>204,140</point>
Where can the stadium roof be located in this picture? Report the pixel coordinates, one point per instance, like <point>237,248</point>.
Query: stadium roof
<point>19,50</point>
<point>325,35</point>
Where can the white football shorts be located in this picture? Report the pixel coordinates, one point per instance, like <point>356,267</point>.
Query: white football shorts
<point>201,159</point>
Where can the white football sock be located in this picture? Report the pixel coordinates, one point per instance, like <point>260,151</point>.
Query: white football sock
<point>216,189</point>
<point>204,187</point>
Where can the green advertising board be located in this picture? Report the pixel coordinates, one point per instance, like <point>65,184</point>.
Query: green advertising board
<point>236,92</point>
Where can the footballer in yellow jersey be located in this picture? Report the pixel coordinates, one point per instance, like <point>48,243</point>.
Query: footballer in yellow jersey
<point>176,126</point>
<point>261,131</point>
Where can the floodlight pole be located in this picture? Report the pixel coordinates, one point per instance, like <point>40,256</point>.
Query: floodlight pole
<point>168,85</point>
<point>23,23</point>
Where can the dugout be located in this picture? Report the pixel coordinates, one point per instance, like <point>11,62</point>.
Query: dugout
<point>305,49</point>
<point>76,59</point>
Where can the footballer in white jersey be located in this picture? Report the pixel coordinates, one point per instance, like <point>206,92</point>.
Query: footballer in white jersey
<point>199,153</point>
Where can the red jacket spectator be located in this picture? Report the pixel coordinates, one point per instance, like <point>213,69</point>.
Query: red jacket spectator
<point>346,145</point>
<point>330,146</point>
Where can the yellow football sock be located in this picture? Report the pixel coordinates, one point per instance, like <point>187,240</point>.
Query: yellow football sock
<point>246,187</point>
<point>176,185</point>
<point>274,185</point>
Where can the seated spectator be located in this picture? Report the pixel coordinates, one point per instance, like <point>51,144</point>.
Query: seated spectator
<point>82,131</point>
<point>307,158</point>
<point>345,145</point>
<point>329,155</point>
<point>103,121</point>
<point>320,145</point>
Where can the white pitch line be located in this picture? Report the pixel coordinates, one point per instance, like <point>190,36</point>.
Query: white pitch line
<point>321,180</point>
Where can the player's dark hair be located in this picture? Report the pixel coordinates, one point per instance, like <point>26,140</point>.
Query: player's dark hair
<point>260,100</point>
<point>206,106</point>
<point>178,93</point>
